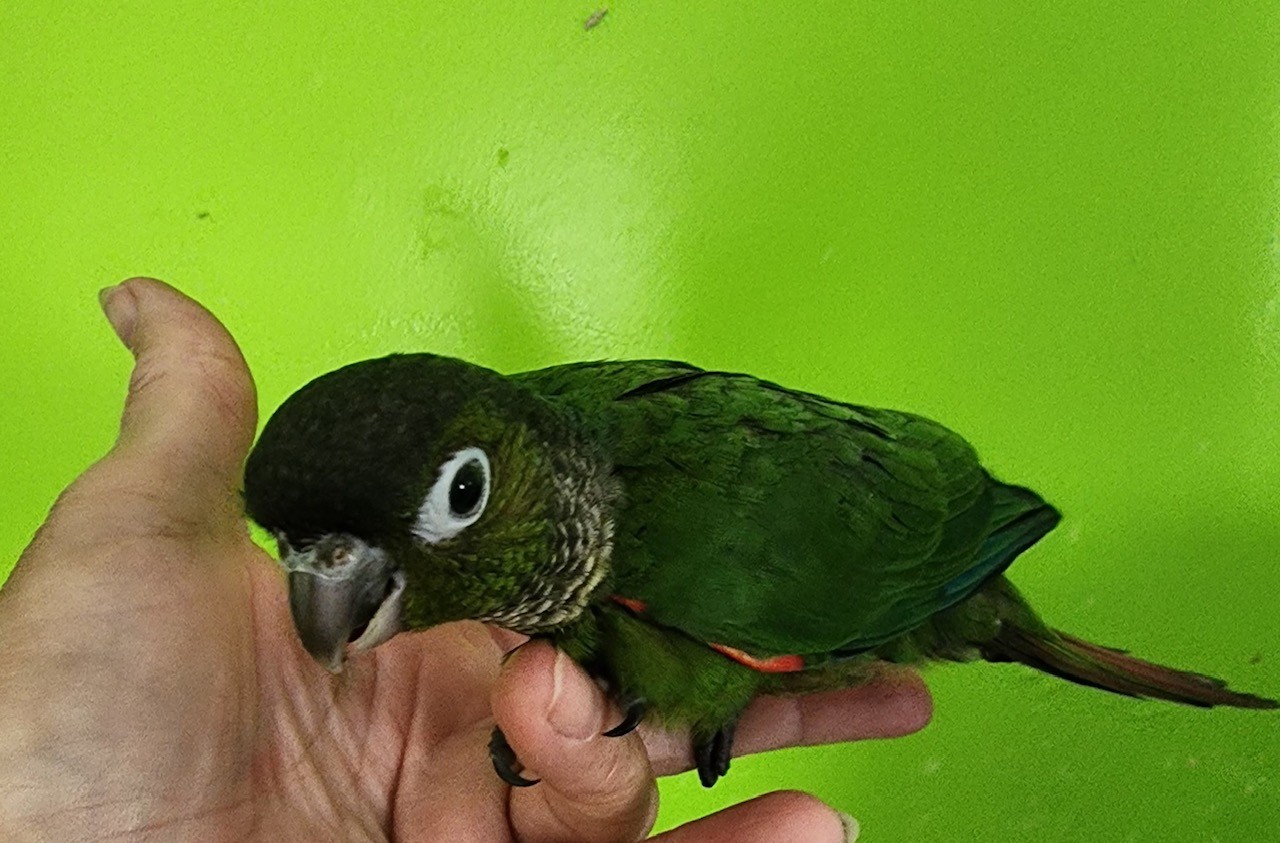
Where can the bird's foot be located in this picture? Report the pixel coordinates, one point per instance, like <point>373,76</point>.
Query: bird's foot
<point>505,762</point>
<point>630,719</point>
<point>712,755</point>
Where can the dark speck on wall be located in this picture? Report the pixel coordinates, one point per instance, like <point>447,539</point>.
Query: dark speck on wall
<point>204,215</point>
<point>504,155</point>
<point>594,20</point>
<point>1256,658</point>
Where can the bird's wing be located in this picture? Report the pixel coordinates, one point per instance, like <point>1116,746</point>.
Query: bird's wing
<point>778,522</point>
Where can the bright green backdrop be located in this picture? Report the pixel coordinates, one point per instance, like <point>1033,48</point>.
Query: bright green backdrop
<point>1056,230</point>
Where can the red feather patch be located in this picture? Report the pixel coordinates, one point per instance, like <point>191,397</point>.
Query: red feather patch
<point>636,606</point>
<point>773,664</point>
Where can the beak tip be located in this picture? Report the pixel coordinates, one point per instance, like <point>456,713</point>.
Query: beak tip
<point>331,660</point>
<point>327,611</point>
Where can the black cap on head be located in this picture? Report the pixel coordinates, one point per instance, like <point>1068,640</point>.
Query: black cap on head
<point>348,451</point>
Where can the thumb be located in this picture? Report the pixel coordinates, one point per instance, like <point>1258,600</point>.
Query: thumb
<point>592,787</point>
<point>191,410</point>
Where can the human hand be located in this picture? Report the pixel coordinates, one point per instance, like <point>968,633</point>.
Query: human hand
<point>152,686</point>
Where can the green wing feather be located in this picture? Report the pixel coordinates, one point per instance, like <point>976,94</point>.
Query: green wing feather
<point>780,522</point>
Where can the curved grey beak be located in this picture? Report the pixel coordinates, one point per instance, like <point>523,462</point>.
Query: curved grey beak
<point>343,592</point>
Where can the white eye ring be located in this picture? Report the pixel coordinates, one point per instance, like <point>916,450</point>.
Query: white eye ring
<point>437,521</point>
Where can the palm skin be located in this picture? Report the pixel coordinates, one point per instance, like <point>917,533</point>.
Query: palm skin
<point>154,687</point>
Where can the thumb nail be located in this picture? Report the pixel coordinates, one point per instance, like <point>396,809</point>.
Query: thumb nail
<point>850,825</point>
<point>121,309</point>
<point>510,654</point>
<point>577,705</point>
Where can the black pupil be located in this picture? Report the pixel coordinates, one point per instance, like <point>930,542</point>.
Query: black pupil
<point>467,489</point>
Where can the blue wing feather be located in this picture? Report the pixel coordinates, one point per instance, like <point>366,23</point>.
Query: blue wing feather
<point>1020,519</point>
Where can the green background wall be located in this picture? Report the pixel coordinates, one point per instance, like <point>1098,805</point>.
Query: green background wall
<point>1056,230</point>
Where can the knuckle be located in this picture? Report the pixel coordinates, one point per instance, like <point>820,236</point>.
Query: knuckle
<point>121,500</point>
<point>216,375</point>
<point>146,375</point>
<point>224,377</point>
<point>102,522</point>
<point>622,783</point>
<point>82,496</point>
<point>152,515</point>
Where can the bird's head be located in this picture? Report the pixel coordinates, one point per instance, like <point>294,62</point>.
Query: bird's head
<point>412,490</point>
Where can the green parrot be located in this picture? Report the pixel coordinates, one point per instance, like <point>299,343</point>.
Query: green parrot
<point>692,538</point>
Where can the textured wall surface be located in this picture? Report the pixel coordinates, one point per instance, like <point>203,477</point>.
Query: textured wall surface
<point>1054,230</point>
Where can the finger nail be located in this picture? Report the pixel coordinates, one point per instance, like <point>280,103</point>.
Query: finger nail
<point>510,654</point>
<point>121,309</point>
<point>577,706</point>
<point>850,825</point>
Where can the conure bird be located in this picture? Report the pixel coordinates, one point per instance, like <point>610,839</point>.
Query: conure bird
<point>692,538</point>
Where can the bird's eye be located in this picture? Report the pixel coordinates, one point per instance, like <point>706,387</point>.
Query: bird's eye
<point>457,498</point>
<point>467,488</point>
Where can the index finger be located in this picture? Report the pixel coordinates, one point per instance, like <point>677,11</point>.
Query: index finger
<point>894,704</point>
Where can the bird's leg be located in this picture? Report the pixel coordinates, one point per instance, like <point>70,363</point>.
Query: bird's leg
<point>712,754</point>
<point>505,763</point>
<point>631,718</point>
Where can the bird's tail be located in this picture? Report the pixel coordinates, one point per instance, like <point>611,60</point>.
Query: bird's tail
<point>1024,638</point>
<point>1114,670</point>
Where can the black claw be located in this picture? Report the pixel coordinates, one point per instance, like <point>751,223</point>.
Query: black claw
<point>630,720</point>
<point>505,761</point>
<point>712,755</point>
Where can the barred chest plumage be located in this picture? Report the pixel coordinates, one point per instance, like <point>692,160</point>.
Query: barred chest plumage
<point>585,492</point>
